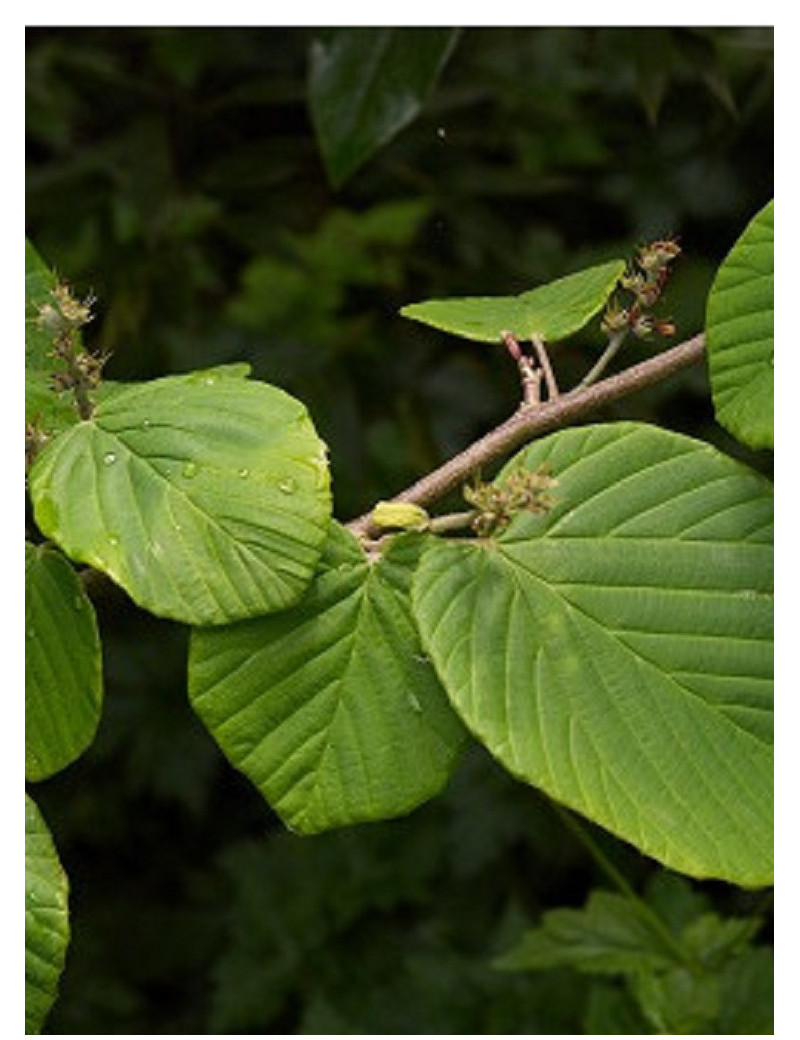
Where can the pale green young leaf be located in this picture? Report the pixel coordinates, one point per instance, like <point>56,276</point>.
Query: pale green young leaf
<point>616,650</point>
<point>63,665</point>
<point>550,312</point>
<point>331,708</point>
<point>46,919</point>
<point>206,496</point>
<point>740,334</point>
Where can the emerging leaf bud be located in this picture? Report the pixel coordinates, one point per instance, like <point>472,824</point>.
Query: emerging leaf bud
<point>403,516</point>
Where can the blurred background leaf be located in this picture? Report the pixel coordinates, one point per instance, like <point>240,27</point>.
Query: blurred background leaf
<point>366,85</point>
<point>176,173</point>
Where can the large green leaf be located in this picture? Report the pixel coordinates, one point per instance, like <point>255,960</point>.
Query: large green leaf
<point>616,651</point>
<point>206,497</point>
<point>331,708</point>
<point>63,665</point>
<point>46,919</point>
<point>50,411</point>
<point>367,84</point>
<point>740,333</point>
<point>550,312</point>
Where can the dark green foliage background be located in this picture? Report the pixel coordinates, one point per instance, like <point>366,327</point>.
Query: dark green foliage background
<point>174,173</point>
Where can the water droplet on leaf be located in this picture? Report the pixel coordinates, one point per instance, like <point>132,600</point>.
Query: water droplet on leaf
<point>287,486</point>
<point>109,458</point>
<point>414,703</point>
<point>244,472</point>
<point>189,470</point>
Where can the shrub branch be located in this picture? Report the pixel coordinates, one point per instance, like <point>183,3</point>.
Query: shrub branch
<point>530,422</point>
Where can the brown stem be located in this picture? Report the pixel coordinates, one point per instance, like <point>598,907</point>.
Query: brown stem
<point>527,423</point>
<point>547,368</point>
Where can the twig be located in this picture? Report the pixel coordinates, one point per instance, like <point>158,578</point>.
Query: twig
<point>527,423</point>
<point>451,521</point>
<point>531,382</point>
<point>547,368</point>
<point>615,341</point>
<point>530,375</point>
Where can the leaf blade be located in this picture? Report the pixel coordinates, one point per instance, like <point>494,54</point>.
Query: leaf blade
<point>46,919</point>
<point>206,497</point>
<point>366,85</point>
<point>63,664</point>
<point>331,708</point>
<point>740,332</point>
<point>550,312</point>
<point>563,655</point>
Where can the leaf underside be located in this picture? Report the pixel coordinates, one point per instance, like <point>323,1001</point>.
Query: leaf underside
<point>46,919</point>
<point>616,652</point>
<point>331,708</point>
<point>63,665</point>
<point>550,312</point>
<point>741,338</point>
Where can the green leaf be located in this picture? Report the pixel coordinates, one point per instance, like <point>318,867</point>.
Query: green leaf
<point>712,939</point>
<point>206,497</point>
<point>551,312</point>
<point>679,1001</point>
<point>608,936</point>
<point>366,85</point>
<point>611,1009</point>
<point>616,651</point>
<point>331,708</point>
<point>741,338</point>
<point>63,665</point>
<point>748,983</point>
<point>50,411</point>
<point>46,919</point>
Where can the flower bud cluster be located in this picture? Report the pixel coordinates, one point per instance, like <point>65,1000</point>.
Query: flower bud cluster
<point>497,504</point>
<point>644,282</point>
<point>62,319</point>
<point>35,440</point>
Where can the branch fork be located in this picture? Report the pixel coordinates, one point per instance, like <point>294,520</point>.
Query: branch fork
<point>532,370</point>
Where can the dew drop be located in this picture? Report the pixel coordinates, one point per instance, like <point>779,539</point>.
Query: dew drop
<point>244,472</point>
<point>287,486</point>
<point>109,458</point>
<point>189,470</point>
<point>146,424</point>
<point>113,539</point>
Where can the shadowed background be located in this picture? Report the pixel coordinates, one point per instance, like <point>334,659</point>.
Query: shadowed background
<point>178,175</point>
